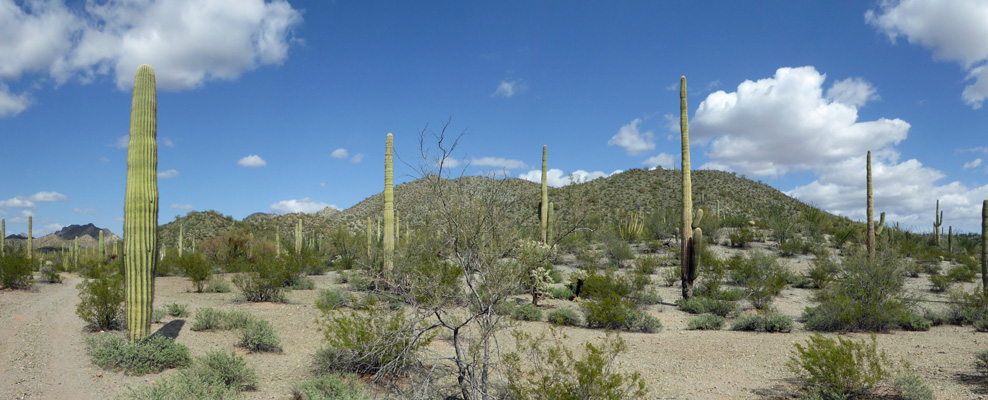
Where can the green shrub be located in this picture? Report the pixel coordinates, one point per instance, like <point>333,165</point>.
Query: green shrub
<point>302,283</point>
<point>177,310</point>
<point>912,387</point>
<point>373,343</point>
<point>331,299</point>
<point>617,250</point>
<point>966,308</point>
<point>147,355</point>
<point>705,322</point>
<point>740,237</point>
<point>216,285</point>
<point>646,297</point>
<point>914,322</point>
<point>555,374</point>
<point>260,336</point>
<point>940,283</point>
<point>101,301</point>
<point>565,316</point>
<point>229,369</point>
<point>640,321</point>
<point>841,367</point>
<point>704,305</point>
<point>527,312</point>
<point>50,275</point>
<point>981,363</point>
<point>264,281</point>
<point>330,387</point>
<point>671,275</point>
<point>763,323</point>
<point>157,315</point>
<point>823,271</point>
<point>867,297</point>
<point>961,273</point>
<point>647,264</point>
<point>608,313</point>
<point>208,319</point>
<point>981,325</point>
<point>760,274</point>
<point>197,268</point>
<point>215,376</point>
<point>16,270</point>
<point>560,292</point>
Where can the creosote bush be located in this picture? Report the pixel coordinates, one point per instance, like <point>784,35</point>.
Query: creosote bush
<point>760,274</point>
<point>330,387</point>
<point>215,376</point>
<point>705,322</point>
<point>101,301</point>
<point>527,312</point>
<point>331,299</point>
<point>763,323</point>
<point>369,343</point>
<point>554,373</point>
<point>147,355</point>
<point>260,337</point>
<point>838,369</point>
<point>565,316</point>
<point>197,268</point>
<point>16,271</point>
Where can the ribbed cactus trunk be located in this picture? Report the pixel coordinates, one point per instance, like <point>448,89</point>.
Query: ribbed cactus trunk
<point>937,221</point>
<point>277,242</point>
<point>141,205</point>
<point>370,235</point>
<point>3,236</point>
<point>544,206</point>
<point>549,223</point>
<point>950,239</point>
<point>691,233</point>
<point>298,236</point>
<point>181,235</point>
<point>397,226</point>
<point>870,214</point>
<point>984,246</point>
<point>30,236</point>
<point>75,251</point>
<point>101,250</point>
<point>389,206</point>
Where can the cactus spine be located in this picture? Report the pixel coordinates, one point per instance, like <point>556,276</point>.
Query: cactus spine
<point>692,235</point>
<point>30,237</point>
<point>544,205</point>
<point>870,213</point>
<point>984,246</point>
<point>141,204</point>
<point>389,206</point>
<point>937,221</point>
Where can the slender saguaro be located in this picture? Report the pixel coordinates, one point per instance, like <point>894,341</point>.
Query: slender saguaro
<point>691,233</point>
<point>544,206</point>
<point>141,204</point>
<point>389,206</point>
<point>984,246</point>
<point>101,250</point>
<point>30,236</point>
<point>181,235</point>
<point>870,214</point>
<point>548,229</point>
<point>3,235</point>
<point>937,221</point>
<point>370,235</point>
<point>298,236</point>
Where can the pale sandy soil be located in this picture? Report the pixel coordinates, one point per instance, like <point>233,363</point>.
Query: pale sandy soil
<point>42,354</point>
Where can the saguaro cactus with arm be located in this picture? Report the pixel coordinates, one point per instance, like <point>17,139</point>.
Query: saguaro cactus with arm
<point>141,205</point>
<point>937,221</point>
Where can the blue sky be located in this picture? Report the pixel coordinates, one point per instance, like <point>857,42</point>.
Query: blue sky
<point>284,106</point>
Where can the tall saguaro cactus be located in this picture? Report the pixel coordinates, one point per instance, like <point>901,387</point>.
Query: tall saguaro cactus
<point>141,204</point>
<point>544,206</point>
<point>389,206</point>
<point>551,221</point>
<point>870,214</point>
<point>3,235</point>
<point>937,221</point>
<point>101,250</point>
<point>30,236</point>
<point>181,235</point>
<point>298,236</point>
<point>691,233</point>
<point>984,246</point>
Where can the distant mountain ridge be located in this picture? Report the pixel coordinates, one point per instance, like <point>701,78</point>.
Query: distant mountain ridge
<point>88,236</point>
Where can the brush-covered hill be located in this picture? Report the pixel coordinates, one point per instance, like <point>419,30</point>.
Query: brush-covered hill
<point>599,203</point>
<point>87,235</point>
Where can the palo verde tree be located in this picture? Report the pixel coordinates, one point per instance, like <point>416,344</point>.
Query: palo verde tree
<point>141,205</point>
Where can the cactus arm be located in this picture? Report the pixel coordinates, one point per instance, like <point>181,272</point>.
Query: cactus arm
<point>141,205</point>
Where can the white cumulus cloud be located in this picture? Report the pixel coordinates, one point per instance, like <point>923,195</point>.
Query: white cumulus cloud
<point>784,123</point>
<point>340,153</point>
<point>17,202</point>
<point>48,197</point>
<point>188,42</point>
<point>664,160</point>
<point>497,162</point>
<point>558,178</point>
<point>633,141</point>
<point>955,30</point>
<point>508,89</point>
<point>168,174</point>
<point>252,161</point>
<point>973,164</point>
<point>305,205</point>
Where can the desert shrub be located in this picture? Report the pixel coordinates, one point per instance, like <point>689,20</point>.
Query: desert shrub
<point>981,325</point>
<point>147,355</point>
<point>608,313</point>
<point>553,373</point>
<point>740,237</point>
<point>372,343</point>
<point>824,269</point>
<point>216,285</point>
<point>157,315</point>
<point>763,323</point>
<point>647,264</point>
<point>793,246</point>
<point>50,275</point>
<point>101,301</point>
<point>16,271</point>
<point>562,292</point>
<point>331,299</point>
<point>238,319</point>
<point>527,312</point>
<point>599,285</point>
<point>303,283</point>
<point>264,280</point>
<point>641,321</point>
<point>760,274</point>
<point>981,363</point>
<point>671,275</point>
<point>914,322</point>
<point>330,387</point>
<point>912,387</point>
<point>940,283</point>
<point>617,250</point>
<point>966,308</point>
<point>229,369</point>
<point>215,376</point>
<point>867,297</point>
<point>360,283</point>
<point>197,268</point>
<point>704,305</point>
<point>177,309</point>
<point>839,368</point>
<point>208,319</point>
<point>565,316</point>
<point>961,273</point>
<point>259,337</point>
<point>705,322</point>
<point>646,297</point>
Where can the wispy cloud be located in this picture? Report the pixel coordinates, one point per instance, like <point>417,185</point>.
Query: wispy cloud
<point>340,154</point>
<point>122,142</point>
<point>167,142</point>
<point>509,89</point>
<point>357,158</point>
<point>497,162</point>
<point>176,206</point>
<point>48,197</point>
<point>104,159</point>
<point>973,164</point>
<point>168,174</point>
<point>662,159</point>
<point>305,205</point>
<point>252,161</point>
<point>88,211</point>
<point>12,104</point>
